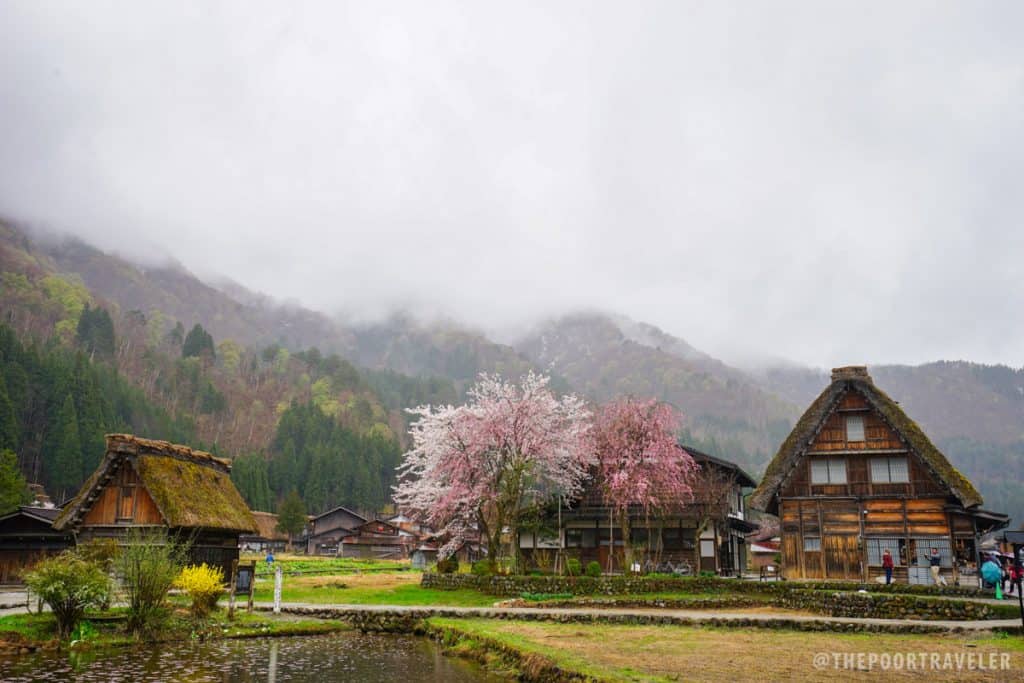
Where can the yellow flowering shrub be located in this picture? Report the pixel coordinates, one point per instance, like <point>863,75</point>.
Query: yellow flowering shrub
<point>204,584</point>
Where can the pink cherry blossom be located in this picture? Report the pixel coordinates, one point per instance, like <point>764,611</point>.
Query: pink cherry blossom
<point>481,464</point>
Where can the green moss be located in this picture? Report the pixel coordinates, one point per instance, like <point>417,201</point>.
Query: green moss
<point>193,495</point>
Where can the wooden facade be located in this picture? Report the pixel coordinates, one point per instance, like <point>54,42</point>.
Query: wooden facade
<point>378,539</point>
<point>146,484</point>
<point>589,531</point>
<point>27,536</point>
<point>327,530</point>
<point>857,477</point>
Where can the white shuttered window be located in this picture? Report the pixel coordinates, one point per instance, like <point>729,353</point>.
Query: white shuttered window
<point>854,427</point>
<point>828,471</point>
<point>889,470</point>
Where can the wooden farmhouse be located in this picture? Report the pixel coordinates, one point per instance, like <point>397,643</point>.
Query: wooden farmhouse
<point>327,530</point>
<point>855,477</point>
<point>142,483</point>
<point>693,534</point>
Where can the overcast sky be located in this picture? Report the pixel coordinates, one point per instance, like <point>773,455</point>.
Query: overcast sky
<point>825,182</point>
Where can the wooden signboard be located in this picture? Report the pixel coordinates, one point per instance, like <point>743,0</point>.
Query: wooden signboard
<point>243,582</point>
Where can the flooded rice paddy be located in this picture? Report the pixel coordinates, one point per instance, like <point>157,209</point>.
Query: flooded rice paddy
<point>346,656</point>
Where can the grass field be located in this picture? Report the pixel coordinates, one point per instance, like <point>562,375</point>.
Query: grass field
<point>325,565</point>
<point>378,588</point>
<point>672,653</point>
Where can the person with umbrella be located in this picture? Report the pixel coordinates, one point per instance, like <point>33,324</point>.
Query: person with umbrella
<point>992,574</point>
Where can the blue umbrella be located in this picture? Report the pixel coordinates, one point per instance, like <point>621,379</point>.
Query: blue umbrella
<point>991,572</point>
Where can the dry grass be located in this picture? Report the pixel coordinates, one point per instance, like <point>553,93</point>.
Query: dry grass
<point>637,653</point>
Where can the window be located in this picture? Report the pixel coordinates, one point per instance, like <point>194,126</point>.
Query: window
<point>877,546</point>
<point>707,548</point>
<point>126,504</point>
<point>854,427</point>
<point>921,550</point>
<point>580,538</point>
<point>828,471</point>
<point>889,470</point>
<point>812,544</point>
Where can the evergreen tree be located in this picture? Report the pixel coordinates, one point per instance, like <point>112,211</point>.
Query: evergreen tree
<point>291,515</point>
<point>9,432</point>
<point>66,474</point>
<point>198,343</point>
<point>13,489</point>
<point>95,332</point>
<point>249,473</point>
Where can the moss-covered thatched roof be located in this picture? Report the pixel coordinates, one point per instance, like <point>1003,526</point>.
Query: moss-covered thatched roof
<point>192,489</point>
<point>266,523</point>
<point>856,379</point>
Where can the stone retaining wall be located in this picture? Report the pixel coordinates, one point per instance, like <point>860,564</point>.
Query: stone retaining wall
<point>414,620</point>
<point>868,606</point>
<point>833,599</point>
<point>513,586</point>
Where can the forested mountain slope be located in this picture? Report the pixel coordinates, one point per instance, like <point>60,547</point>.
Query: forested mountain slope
<point>724,410</point>
<point>76,365</point>
<point>264,361</point>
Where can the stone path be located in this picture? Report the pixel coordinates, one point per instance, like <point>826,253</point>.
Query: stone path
<point>666,616</point>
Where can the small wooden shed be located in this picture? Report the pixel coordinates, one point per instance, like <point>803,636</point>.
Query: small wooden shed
<point>142,483</point>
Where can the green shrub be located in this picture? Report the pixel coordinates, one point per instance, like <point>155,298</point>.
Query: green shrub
<point>708,574</point>
<point>573,567</point>
<point>101,551</point>
<point>70,585</point>
<point>482,568</point>
<point>593,569</point>
<point>540,597</point>
<point>204,584</point>
<point>148,565</point>
<point>448,566</point>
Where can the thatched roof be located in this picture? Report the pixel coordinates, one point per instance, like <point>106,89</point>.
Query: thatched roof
<point>266,522</point>
<point>192,489</point>
<point>856,378</point>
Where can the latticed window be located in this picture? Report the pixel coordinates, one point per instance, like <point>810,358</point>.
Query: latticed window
<point>828,471</point>
<point>854,427</point>
<point>889,470</point>
<point>812,544</point>
<point>877,547</point>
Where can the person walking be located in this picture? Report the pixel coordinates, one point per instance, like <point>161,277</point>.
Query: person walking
<point>991,574</point>
<point>936,562</point>
<point>1016,577</point>
<point>887,566</point>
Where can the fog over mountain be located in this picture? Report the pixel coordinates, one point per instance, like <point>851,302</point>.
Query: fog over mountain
<point>827,183</point>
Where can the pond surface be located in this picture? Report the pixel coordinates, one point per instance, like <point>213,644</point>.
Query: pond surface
<point>348,657</point>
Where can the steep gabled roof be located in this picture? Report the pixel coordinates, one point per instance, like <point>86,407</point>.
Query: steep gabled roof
<point>191,488</point>
<point>335,509</point>
<point>856,378</point>
<point>742,478</point>
<point>266,523</point>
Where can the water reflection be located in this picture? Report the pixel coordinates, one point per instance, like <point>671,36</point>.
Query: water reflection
<point>324,659</point>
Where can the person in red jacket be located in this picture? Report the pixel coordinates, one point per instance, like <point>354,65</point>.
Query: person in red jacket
<point>887,565</point>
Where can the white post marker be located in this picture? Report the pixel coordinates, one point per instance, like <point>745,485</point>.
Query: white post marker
<point>277,589</point>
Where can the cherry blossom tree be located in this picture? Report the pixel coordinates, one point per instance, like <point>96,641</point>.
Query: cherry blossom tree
<point>639,463</point>
<point>482,464</point>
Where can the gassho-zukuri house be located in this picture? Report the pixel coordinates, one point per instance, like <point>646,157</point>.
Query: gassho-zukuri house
<point>857,476</point>
<point>142,483</point>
